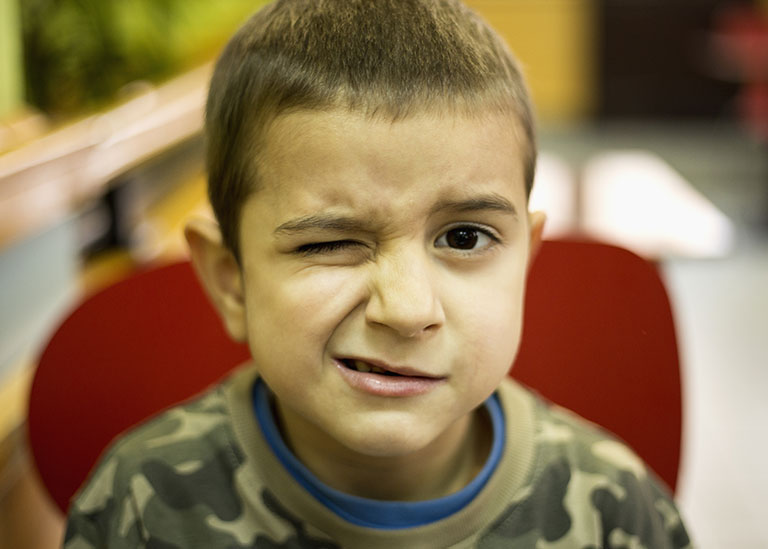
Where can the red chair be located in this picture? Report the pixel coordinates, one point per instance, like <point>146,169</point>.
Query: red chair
<point>599,339</point>
<point>141,345</point>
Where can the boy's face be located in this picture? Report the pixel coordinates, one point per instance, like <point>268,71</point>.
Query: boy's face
<point>402,246</point>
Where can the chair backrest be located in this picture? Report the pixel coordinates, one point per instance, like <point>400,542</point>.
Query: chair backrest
<point>125,353</point>
<point>598,339</point>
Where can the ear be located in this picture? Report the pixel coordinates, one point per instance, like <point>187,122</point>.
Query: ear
<point>536,221</point>
<point>219,273</point>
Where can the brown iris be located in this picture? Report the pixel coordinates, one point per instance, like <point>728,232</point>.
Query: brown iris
<point>463,238</point>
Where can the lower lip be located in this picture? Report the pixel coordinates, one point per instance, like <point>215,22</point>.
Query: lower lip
<point>388,386</point>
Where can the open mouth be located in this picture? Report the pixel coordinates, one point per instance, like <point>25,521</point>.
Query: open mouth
<point>382,379</point>
<point>364,367</point>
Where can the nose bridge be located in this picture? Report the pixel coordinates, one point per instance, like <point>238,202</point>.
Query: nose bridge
<point>404,294</point>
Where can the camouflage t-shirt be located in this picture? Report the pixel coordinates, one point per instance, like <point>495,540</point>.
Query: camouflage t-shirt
<point>202,476</point>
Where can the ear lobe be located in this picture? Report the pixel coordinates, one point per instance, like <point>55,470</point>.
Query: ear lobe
<point>536,221</point>
<point>219,273</point>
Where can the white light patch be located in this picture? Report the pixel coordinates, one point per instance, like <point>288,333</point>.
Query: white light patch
<point>554,192</point>
<point>636,200</point>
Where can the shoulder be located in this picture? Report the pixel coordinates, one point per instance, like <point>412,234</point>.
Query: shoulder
<point>562,435</point>
<point>159,468</point>
<point>186,434</point>
<point>588,488</point>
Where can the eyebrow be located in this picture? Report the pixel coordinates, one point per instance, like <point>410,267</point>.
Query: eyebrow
<point>327,222</point>
<point>493,202</point>
<point>330,222</point>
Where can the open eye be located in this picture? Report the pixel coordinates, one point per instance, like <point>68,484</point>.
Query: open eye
<point>465,238</point>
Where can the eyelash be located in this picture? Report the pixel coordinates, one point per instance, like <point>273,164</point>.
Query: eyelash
<point>325,247</point>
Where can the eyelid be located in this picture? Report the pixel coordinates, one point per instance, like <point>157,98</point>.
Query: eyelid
<point>485,229</point>
<point>330,246</point>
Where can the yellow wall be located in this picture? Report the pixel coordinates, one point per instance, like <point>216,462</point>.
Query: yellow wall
<point>555,41</point>
<point>11,89</point>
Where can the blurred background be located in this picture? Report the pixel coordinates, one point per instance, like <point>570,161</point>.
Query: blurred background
<point>653,134</point>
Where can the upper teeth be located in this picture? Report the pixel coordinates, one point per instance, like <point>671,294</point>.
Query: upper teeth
<point>361,366</point>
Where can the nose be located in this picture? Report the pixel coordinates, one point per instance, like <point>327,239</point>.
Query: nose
<point>403,295</point>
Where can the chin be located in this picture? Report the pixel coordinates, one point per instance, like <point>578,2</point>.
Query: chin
<point>387,439</point>
<point>381,447</point>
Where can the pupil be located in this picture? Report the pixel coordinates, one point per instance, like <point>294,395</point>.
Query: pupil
<point>463,239</point>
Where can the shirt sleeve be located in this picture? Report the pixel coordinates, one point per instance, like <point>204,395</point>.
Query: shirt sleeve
<point>81,533</point>
<point>103,515</point>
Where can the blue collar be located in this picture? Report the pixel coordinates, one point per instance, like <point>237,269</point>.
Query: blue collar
<point>386,515</point>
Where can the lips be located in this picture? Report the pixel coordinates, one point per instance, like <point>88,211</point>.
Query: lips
<point>365,367</point>
<point>384,380</point>
<point>376,367</point>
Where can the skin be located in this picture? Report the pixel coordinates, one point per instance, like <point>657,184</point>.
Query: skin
<point>404,243</point>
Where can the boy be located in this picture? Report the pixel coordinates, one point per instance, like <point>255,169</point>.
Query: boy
<point>369,167</point>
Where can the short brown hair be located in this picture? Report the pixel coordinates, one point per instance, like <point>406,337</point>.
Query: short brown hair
<point>382,58</point>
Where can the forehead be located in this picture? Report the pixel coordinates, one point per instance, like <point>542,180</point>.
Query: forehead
<point>315,160</point>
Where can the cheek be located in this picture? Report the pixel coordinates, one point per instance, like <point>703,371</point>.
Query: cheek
<point>491,322</point>
<point>496,340</point>
<point>303,304</point>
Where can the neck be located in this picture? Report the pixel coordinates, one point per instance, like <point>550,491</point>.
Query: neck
<point>443,467</point>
